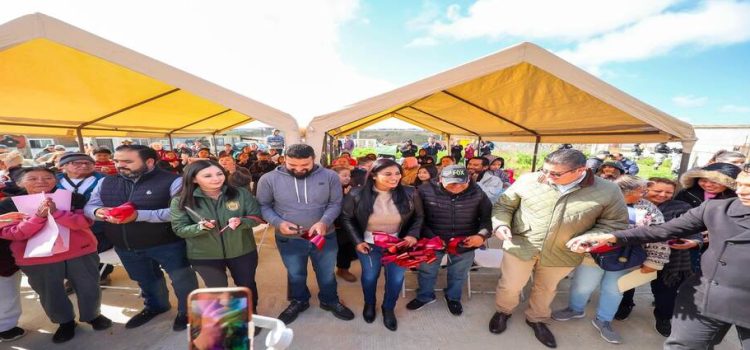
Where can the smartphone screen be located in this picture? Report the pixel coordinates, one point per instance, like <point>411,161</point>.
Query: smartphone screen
<point>220,319</point>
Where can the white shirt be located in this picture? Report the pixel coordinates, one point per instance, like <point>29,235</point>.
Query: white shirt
<point>566,188</point>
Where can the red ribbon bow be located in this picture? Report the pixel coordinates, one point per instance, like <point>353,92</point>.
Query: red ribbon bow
<point>122,211</point>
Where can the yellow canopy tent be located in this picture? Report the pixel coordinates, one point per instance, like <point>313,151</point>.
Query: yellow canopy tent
<point>521,94</point>
<point>58,80</point>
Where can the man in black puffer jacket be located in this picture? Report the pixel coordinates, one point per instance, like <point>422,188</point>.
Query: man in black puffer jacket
<point>458,211</point>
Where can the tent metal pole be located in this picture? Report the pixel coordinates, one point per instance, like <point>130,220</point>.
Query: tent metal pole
<point>127,108</point>
<point>171,141</point>
<point>79,134</point>
<point>213,141</point>
<point>684,164</point>
<point>536,152</point>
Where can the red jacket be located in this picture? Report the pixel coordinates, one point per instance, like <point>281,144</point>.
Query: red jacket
<point>82,240</point>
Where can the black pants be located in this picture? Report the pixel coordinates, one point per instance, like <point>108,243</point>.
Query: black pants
<point>346,253</point>
<point>664,296</point>
<point>242,269</point>
<point>691,330</point>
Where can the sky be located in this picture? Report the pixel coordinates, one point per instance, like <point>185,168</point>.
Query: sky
<point>690,59</point>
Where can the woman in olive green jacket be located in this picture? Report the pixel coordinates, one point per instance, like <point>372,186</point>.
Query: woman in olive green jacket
<point>217,223</point>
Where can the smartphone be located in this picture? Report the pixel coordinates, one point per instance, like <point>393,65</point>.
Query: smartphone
<point>220,318</point>
<point>676,241</point>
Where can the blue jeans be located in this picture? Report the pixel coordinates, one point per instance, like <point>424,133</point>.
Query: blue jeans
<point>458,268</point>
<point>144,266</point>
<point>394,277</point>
<point>294,253</point>
<point>585,281</point>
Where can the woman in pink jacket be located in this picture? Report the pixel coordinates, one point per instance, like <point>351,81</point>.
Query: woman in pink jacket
<point>47,275</point>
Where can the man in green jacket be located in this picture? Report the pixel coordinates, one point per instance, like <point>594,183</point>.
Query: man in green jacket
<point>535,217</point>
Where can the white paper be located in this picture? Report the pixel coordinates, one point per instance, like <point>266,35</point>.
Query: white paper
<point>42,244</point>
<point>634,279</point>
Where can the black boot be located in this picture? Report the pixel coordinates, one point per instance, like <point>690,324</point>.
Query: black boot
<point>389,319</point>
<point>66,331</point>
<point>369,313</point>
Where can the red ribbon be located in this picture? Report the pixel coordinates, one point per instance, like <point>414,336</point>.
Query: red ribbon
<point>122,211</point>
<point>456,246</point>
<point>397,251</point>
<point>603,249</point>
<point>317,240</point>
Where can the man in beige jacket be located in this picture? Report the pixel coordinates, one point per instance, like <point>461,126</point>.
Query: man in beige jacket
<point>535,217</point>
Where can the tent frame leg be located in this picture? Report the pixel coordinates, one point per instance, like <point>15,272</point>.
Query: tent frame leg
<point>81,146</point>
<point>536,153</point>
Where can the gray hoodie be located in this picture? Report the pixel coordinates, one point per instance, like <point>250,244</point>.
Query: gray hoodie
<point>304,202</point>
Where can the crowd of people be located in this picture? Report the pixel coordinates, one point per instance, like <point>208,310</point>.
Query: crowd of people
<point>193,216</point>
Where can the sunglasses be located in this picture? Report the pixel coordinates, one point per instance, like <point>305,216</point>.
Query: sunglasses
<point>554,174</point>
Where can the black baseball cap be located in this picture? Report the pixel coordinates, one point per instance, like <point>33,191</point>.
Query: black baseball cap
<point>453,174</point>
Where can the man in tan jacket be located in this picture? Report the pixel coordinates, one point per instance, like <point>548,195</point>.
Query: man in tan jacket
<point>535,217</point>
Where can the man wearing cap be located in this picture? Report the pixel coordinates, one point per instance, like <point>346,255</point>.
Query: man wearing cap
<point>79,176</point>
<point>610,170</point>
<point>457,211</point>
<point>595,162</point>
<point>535,217</point>
<point>276,141</point>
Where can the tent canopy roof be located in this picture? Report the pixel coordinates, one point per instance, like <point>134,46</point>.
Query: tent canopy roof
<point>55,78</point>
<point>521,94</point>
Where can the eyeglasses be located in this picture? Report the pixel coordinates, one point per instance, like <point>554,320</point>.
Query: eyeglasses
<point>81,163</point>
<point>554,174</point>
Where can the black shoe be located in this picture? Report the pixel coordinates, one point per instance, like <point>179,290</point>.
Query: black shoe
<point>368,313</point>
<point>12,334</point>
<point>100,323</point>
<point>339,310</point>
<point>389,319</point>
<point>543,334</point>
<point>623,312</point>
<point>290,313</point>
<point>142,317</point>
<point>499,322</point>
<point>454,306</point>
<point>416,304</point>
<point>664,327</point>
<point>180,323</point>
<point>66,331</point>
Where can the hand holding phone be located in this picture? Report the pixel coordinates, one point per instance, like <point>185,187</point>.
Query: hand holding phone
<point>219,318</point>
